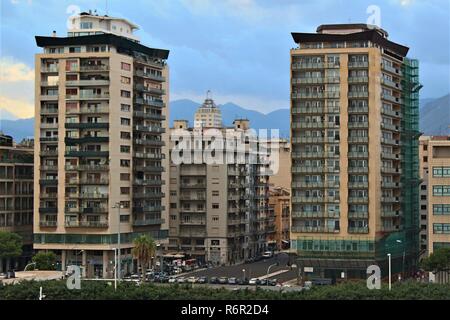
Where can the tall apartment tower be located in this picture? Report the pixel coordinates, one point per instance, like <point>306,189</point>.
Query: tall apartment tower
<point>100,152</point>
<point>354,129</point>
<point>219,213</point>
<point>208,115</point>
<point>16,197</point>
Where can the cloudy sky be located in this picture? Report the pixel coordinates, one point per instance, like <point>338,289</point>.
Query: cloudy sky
<point>239,49</point>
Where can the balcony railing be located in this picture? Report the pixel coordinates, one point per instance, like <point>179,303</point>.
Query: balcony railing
<point>151,129</point>
<point>358,94</point>
<point>149,142</point>
<point>148,182</point>
<point>155,156</point>
<point>86,224</point>
<point>304,229</point>
<point>147,222</point>
<point>102,154</point>
<point>149,168</point>
<point>150,102</point>
<point>77,83</point>
<point>358,64</point>
<point>148,115</point>
<point>142,74</point>
<point>48,224</point>
<point>87,125</point>
<point>358,229</point>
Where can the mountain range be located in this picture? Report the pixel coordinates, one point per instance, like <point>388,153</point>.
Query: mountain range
<point>434,118</point>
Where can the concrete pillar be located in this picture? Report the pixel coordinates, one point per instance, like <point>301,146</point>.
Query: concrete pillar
<point>84,263</point>
<point>63,261</point>
<point>105,264</point>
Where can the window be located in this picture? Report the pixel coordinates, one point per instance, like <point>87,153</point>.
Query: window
<point>125,94</point>
<point>125,107</point>
<point>126,66</point>
<point>441,228</point>
<point>74,49</point>
<point>423,187</point>
<point>124,190</point>
<point>215,218</point>
<point>423,207</point>
<point>125,121</point>
<point>441,172</point>
<point>423,197</point>
<point>125,149</point>
<point>124,177</point>
<point>215,206</point>
<point>425,159</point>
<point>125,135</point>
<point>441,190</point>
<point>125,80</point>
<point>125,204</point>
<point>173,206</point>
<point>125,163</point>
<point>85,25</point>
<point>441,209</point>
<point>124,218</point>
<point>215,242</point>
<point>215,193</point>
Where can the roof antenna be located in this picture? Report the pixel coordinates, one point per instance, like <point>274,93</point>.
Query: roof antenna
<point>106,7</point>
<point>208,94</point>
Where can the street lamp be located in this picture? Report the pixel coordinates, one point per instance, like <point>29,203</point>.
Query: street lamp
<point>243,271</point>
<point>159,248</point>
<point>403,259</point>
<point>118,206</point>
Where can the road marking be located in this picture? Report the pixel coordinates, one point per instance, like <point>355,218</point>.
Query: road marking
<point>273,274</point>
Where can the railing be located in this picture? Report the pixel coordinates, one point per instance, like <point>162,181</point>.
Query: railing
<point>148,182</point>
<point>358,139</point>
<point>299,110</point>
<point>142,74</point>
<point>49,152</point>
<point>149,168</point>
<point>358,109</point>
<point>76,83</point>
<point>48,224</point>
<point>148,142</point>
<point>358,229</point>
<point>148,115</point>
<point>86,224</point>
<point>358,79</point>
<point>49,111</point>
<point>358,199</point>
<point>358,155</point>
<point>147,222</point>
<point>358,64</point>
<point>156,156</point>
<point>88,195</point>
<point>102,67</point>
<point>358,94</point>
<point>94,181</point>
<point>153,129</point>
<point>355,125</point>
<point>304,229</point>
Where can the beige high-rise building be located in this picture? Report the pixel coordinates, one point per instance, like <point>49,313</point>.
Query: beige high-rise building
<point>435,159</point>
<point>16,197</point>
<point>100,151</point>
<point>219,212</point>
<point>354,131</point>
<point>280,201</point>
<point>208,115</point>
<point>423,194</point>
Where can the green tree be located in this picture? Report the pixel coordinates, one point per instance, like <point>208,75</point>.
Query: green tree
<point>439,260</point>
<point>45,260</point>
<point>144,249</point>
<point>10,245</point>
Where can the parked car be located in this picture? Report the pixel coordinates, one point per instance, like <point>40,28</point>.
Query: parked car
<point>272,282</point>
<point>181,280</point>
<point>249,260</point>
<point>214,280</point>
<point>263,282</point>
<point>202,280</point>
<point>192,280</point>
<point>223,280</point>
<point>232,280</point>
<point>267,254</point>
<point>135,276</point>
<point>172,280</point>
<point>254,281</point>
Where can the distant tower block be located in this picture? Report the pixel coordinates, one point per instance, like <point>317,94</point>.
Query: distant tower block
<point>208,115</point>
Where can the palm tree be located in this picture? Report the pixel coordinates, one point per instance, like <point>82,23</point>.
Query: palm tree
<point>143,250</point>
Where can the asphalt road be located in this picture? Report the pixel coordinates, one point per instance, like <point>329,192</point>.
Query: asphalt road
<point>252,270</point>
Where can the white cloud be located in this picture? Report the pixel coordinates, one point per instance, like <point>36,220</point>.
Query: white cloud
<point>19,108</point>
<point>12,70</point>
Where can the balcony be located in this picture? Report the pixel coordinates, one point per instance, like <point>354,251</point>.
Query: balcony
<point>53,210</point>
<point>149,129</point>
<point>87,125</point>
<point>49,111</point>
<point>311,199</point>
<point>358,125</point>
<point>48,224</point>
<point>358,109</point>
<point>146,209</point>
<point>155,169</point>
<point>390,213</point>
<point>392,156</point>
<point>390,199</point>
<point>358,94</point>
<point>86,224</point>
<point>391,113</point>
<point>148,75</point>
<point>154,156</point>
<point>148,195</point>
<point>50,69</point>
<point>316,95</point>
<point>391,84</point>
<point>358,139</point>
<point>310,214</point>
<point>49,168</point>
<point>358,199</point>
<point>84,110</point>
<point>391,69</point>
<point>390,184</point>
<point>149,142</point>
<point>50,97</point>
<point>358,64</point>
<point>391,98</point>
<point>48,182</point>
<point>304,229</point>
<point>390,142</point>
<point>308,110</point>
<point>148,182</point>
<point>391,228</point>
<point>358,229</point>
<point>356,185</point>
<point>150,102</point>
<point>87,167</point>
<point>388,126</point>
<point>48,139</point>
<point>143,88</point>
<point>194,197</point>
<point>53,125</point>
<point>149,115</point>
<point>195,185</point>
<point>94,181</point>
<point>358,215</point>
<point>95,195</point>
<point>192,233</point>
<point>192,222</point>
<point>358,169</point>
<point>52,153</point>
<point>49,195</point>
<point>82,83</point>
<point>147,222</point>
<point>308,125</point>
<point>358,155</point>
<point>390,170</point>
<point>102,154</point>
<point>358,79</point>
<point>72,141</point>
<point>88,68</point>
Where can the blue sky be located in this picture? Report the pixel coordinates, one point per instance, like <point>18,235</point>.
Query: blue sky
<point>239,49</point>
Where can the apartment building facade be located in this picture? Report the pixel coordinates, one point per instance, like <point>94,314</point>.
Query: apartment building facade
<point>208,115</point>
<point>354,129</point>
<point>16,197</point>
<point>280,202</point>
<point>100,153</point>
<point>436,160</point>
<point>219,212</point>
<point>423,194</point>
